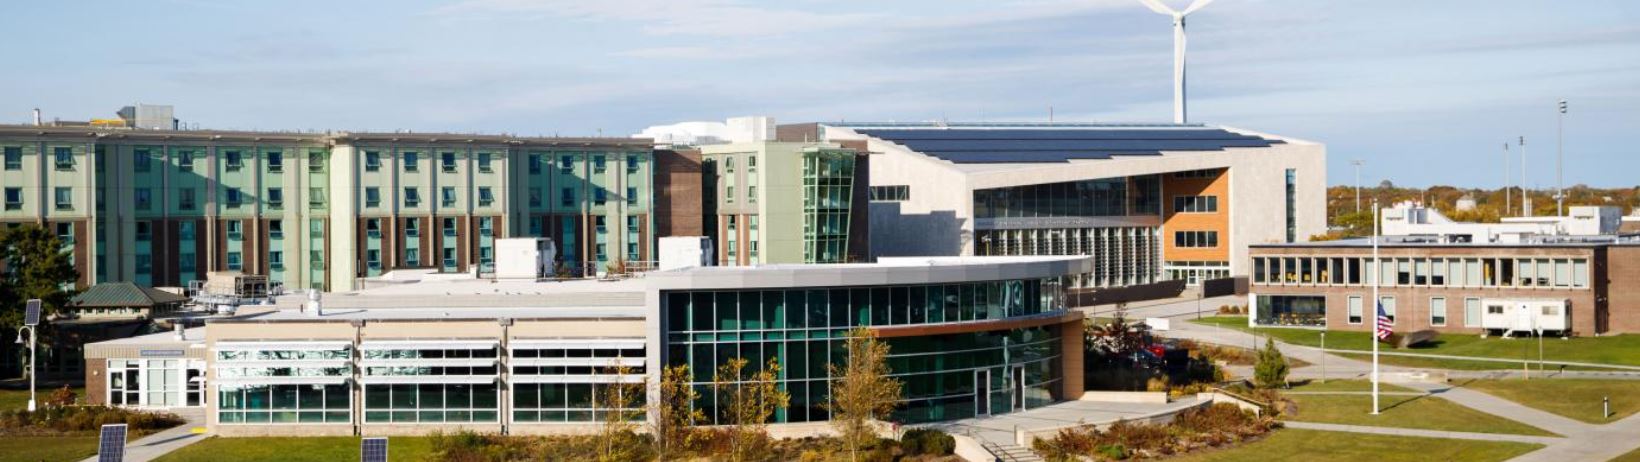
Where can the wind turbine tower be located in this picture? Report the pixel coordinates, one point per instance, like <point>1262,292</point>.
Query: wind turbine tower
<point>1178,49</point>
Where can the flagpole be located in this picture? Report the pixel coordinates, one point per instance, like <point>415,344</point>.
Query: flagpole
<point>1377,276</point>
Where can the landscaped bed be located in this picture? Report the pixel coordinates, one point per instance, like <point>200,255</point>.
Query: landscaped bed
<point>1215,426</point>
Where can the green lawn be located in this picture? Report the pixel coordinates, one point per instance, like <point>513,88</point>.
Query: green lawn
<point>1575,398</point>
<point>46,448</point>
<point>1345,385</point>
<point>1421,412</point>
<point>1612,349</point>
<point>280,449</point>
<point>1632,456</point>
<point>1294,444</point>
<point>1457,364</point>
<point>18,399</point>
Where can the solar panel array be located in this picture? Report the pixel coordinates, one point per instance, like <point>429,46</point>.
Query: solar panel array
<point>1001,145</point>
<point>373,450</point>
<point>111,446</point>
<point>31,316</point>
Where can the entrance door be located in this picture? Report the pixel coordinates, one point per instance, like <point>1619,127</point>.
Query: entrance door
<point>982,392</point>
<point>1018,387</point>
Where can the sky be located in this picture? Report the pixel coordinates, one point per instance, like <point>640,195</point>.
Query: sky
<point>1424,93</point>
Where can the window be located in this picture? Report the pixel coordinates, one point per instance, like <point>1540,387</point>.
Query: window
<point>372,161</point>
<point>185,231</point>
<point>276,229</point>
<point>485,197</point>
<point>1195,204</point>
<point>64,157</point>
<point>373,259</point>
<point>185,198</point>
<point>729,165</point>
<point>598,196</point>
<point>372,197</point>
<point>373,227</point>
<point>412,198</point>
<point>598,163</point>
<point>316,197</point>
<point>484,162</point>
<point>185,160</point>
<point>632,224</point>
<point>567,199</point>
<point>1195,239</point>
<point>447,196</point>
<point>1292,205</point>
<point>1437,311</point>
<point>276,259</point>
<point>751,164</point>
<point>486,226</point>
<point>535,197</point>
<point>316,161</point>
<point>412,257</point>
<point>599,223</point>
<point>410,164</point>
<point>65,233</point>
<point>632,163</point>
<point>143,161</point>
<point>566,164</point>
<point>1355,309</point>
<point>1388,302</point>
<point>276,197</point>
<point>449,227</point>
<point>1197,174</point>
<point>233,198</point>
<point>534,161</point>
<point>1471,312</point>
<point>64,198</point>
<point>449,257</point>
<point>751,194</point>
<point>14,158</point>
<point>891,193</point>
<point>145,231</point>
<point>631,196</point>
<point>276,162</point>
<point>729,194</point>
<point>232,161</point>
<point>412,228</point>
<point>234,261</point>
<point>14,198</point>
<point>143,197</point>
<point>447,162</point>
<point>236,229</point>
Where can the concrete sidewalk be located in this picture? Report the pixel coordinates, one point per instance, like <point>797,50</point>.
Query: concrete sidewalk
<point>159,444</point>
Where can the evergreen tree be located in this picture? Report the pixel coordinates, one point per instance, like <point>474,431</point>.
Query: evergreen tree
<point>1271,369</point>
<point>33,264</point>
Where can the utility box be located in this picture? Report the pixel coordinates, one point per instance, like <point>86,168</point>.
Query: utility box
<point>524,257</point>
<point>685,252</point>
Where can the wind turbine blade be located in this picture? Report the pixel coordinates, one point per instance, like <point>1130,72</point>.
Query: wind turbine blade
<point>1196,5</point>
<point>1157,6</point>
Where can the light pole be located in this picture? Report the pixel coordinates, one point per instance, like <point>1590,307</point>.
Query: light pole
<point>1357,164</point>
<point>1560,158</point>
<point>1323,356</point>
<point>1508,194</point>
<point>1525,205</point>
<point>30,330</point>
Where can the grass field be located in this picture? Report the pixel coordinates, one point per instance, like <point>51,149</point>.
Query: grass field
<point>46,448</point>
<point>1293,444</point>
<point>315,449</point>
<point>1344,385</point>
<point>1632,456</point>
<point>1614,349</point>
<point>1575,398</point>
<point>1421,412</point>
<point>18,399</point>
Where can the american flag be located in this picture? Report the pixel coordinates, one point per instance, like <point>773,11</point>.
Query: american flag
<point>1386,326</point>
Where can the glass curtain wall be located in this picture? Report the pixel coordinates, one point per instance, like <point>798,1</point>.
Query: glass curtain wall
<point>283,383</point>
<point>429,382</point>
<point>944,375</point>
<point>563,380</point>
<point>1106,197</point>
<point>828,191</point>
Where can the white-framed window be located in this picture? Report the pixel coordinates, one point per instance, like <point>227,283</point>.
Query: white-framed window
<point>1389,307</point>
<point>1354,309</point>
<point>1472,312</point>
<point>1437,311</point>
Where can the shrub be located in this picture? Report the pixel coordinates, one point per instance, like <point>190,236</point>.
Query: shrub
<point>62,397</point>
<point>1211,426</point>
<point>81,419</point>
<point>927,441</point>
<point>1271,369</point>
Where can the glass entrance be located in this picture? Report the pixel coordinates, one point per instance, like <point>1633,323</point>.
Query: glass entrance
<point>982,392</point>
<point>156,383</point>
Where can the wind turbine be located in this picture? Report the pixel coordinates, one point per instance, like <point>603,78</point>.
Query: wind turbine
<point>1178,49</point>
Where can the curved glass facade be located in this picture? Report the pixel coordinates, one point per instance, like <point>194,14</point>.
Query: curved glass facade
<point>946,376</point>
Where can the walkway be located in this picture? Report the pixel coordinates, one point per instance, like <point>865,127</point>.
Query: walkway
<point>999,429</point>
<point>153,446</point>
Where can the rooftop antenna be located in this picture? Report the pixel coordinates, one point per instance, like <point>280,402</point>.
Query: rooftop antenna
<point>1178,49</point>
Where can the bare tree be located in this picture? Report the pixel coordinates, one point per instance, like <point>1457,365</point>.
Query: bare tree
<point>861,390</point>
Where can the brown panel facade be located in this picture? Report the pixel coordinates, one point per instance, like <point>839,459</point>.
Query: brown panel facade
<point>1175,220</point>
<point>1622,282</point>
<point>678,193</point>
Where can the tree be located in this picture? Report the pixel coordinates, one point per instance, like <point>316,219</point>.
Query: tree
<point>35,266</point>
<point>1117,338</point>
<point>1271,369</point>
<point>675,412</point>
<point>861,390</point>
<point>620,403</point>
<point>747,402</point>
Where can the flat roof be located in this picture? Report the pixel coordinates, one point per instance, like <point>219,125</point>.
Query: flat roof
<point>325,137</point>
<point>447,314</point>
<point>189,336</point>
<point>1036,143</point>
<point>1391,242</point>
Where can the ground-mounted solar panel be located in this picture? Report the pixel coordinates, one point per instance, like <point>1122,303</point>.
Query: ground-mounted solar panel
<point>373,449</point>
<point>111,444</point>
<point>31,315</point>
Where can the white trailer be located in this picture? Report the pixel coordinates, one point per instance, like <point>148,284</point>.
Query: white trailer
<point>1509,316</point>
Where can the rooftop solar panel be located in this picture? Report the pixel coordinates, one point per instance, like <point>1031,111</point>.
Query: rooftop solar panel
<point>111,446</point>
<point>373,450</point>
<point>31,315</point>
<point>1004,145</point>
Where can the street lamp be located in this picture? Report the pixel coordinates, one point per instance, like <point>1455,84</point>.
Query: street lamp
<point>1560,158</point>
<point>31,318</point>
<point>1357,164</point>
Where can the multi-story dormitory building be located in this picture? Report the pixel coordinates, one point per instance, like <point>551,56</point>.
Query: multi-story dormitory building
<point>165,207</point>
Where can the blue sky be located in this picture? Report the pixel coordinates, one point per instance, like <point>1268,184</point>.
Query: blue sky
<point>1425,92</point>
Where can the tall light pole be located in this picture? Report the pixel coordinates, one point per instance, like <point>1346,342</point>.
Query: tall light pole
<point>1525,204</point>
<point>1560,158</point>
<point>1508,192</point>
<point>1357,164</point>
